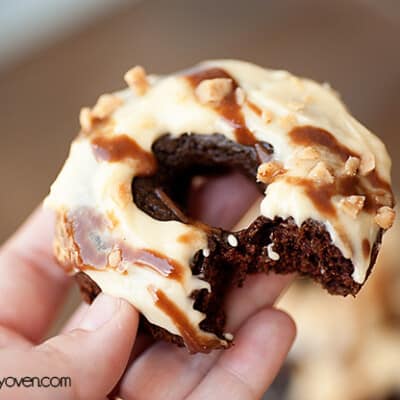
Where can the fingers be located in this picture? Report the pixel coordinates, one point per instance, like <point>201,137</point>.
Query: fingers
<point>32,286</point>
<point>246,371</point>
<point>153,371</point>
<point>93,356</point>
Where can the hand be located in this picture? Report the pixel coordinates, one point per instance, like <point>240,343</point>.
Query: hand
<point>99,350</point>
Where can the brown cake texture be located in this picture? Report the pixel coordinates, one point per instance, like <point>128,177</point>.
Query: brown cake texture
<point>305,249</point>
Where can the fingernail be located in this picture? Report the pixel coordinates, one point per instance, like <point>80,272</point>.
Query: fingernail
<point>100,312</point>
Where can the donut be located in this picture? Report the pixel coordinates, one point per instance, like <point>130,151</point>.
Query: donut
<point>122,227</point>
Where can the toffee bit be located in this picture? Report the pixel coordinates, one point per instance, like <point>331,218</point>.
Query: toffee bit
<point>352,205</point>
<point>321,174</point>
<point>267,172</point>
<point>367,163</point>
<point>136,79</point>
<point>213,90</point>
<point>385,217</point>
<point>351,166</point>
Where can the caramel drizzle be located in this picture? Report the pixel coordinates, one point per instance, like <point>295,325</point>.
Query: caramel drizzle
<point>194,341</point>
<point>228,108</point>
<point>312,136</point>
<point>343,185</point>
<point>321,195</point>
<point>122,147</point>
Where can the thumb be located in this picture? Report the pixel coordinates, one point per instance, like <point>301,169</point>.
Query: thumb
<point>92,357</point>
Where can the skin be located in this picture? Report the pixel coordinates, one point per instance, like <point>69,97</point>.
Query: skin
<point>98,347</point>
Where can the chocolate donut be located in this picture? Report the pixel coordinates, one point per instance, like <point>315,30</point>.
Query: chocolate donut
<point>122,224</point>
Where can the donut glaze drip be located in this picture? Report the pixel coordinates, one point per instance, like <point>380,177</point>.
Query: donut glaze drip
<point>319,166</point>
<point>194,342</point>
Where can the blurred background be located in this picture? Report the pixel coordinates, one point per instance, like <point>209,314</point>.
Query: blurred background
<point>59,55</point>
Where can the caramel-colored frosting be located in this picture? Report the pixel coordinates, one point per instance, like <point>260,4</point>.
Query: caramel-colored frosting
<point>325,166</point>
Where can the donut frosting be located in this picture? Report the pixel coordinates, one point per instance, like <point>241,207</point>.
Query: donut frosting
<point>326,166</point>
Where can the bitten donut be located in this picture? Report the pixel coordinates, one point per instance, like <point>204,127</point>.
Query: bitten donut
<point>120,197</point>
